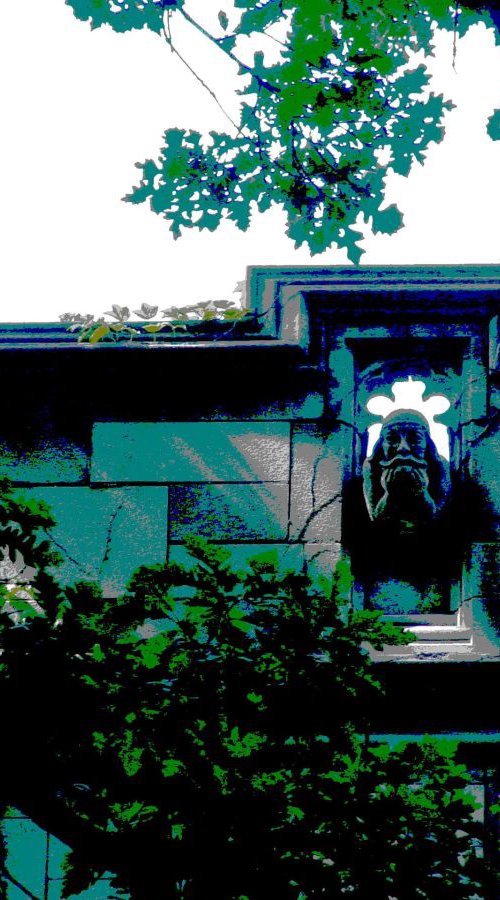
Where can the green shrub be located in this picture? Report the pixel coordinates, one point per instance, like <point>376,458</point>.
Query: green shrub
<point>207,734</point>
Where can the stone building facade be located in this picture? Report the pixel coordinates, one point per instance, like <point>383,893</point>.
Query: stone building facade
<point>259,441</point>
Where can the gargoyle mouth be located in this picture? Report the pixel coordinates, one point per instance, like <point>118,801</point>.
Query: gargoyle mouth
<point>403,461</point>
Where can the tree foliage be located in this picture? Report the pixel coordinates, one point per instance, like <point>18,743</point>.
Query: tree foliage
<point>319,129</point>
<point>207,735</point>
<point>27,554</point>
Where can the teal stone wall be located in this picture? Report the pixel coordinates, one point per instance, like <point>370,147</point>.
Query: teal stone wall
<point>132,497</point>
<point>316,483</point>
<point>230,512</point>
<point>258,445</point>
<point>59,461</point>
<point>190,451</point>
<point>484,466</point>
<point>146,486</point>
<point>104,533</point>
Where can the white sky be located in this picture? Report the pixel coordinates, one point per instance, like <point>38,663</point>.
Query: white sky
<point>80,107</point>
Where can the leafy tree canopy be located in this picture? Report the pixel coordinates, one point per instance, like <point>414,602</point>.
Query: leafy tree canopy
<point>207,735</point>
<point>318,129</point>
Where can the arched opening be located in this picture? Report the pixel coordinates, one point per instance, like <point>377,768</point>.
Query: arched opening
<point>409,394</point>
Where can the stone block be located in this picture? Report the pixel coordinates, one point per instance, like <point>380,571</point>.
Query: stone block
<point>316,484</point>
<point>229,512</point>
<point>341,382</point>
<point>484,470</point>
<point>104,534</point>
<point>190,451</point>
<point>322,558</point>
<point>57,462</point>
<point>26,846</point>
<point>482,584</point>
<point>481,571</point>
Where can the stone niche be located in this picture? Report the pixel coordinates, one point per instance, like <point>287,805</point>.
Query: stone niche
<point>426,340</point>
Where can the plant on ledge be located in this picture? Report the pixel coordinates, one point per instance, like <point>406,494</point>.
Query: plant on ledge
<point>207,735</point>
<point>220,319</point>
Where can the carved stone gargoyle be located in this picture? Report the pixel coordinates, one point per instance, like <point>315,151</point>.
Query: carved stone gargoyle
<point>406,483</point>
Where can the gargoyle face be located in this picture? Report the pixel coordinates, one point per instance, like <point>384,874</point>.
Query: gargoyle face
<point>406,482</point>
<point>404,441</point>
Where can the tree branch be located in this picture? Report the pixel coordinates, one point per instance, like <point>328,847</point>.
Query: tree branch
<point>298,162</point>
<point>262,82</point>
<point>168,37</point>
<point>455,33</point>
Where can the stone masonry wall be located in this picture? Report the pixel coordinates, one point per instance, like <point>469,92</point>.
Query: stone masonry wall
<point>148,485</point>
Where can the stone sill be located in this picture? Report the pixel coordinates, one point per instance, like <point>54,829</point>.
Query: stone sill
<point>437,652</point>
<point>55,336</point>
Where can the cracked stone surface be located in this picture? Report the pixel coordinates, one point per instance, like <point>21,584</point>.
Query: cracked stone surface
<point>316,484</point>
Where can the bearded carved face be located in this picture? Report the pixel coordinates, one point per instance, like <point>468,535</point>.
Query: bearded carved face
<point>406,482</point>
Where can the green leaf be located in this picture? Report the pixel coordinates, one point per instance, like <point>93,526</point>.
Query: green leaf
<point>242,746</point>
<point>221,776</point>
<point>99,740</point>
<point>122,15</point>
<point>151,650</point>
<point>133,813</point>
<point>132,760</point>
<point>295,814</point>
<point>343,579</point>
<point>234,315</point>
<point>242,625</point>
<point>98,654</point>
<point>255,698</point>
<point>493,126</point>
<point>99,333</point>
<point>387,221</point>
<point>171,767</point>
